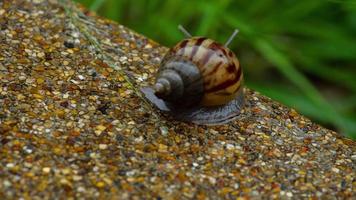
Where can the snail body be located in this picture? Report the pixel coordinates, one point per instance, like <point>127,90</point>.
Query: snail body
<point>200,81</point>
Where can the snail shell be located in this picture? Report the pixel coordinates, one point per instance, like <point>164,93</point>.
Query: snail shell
<point>199,80</point>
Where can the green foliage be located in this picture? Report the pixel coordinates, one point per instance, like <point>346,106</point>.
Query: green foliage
<point>299,52</point>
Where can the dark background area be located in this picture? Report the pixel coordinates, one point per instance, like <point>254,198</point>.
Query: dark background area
<point>299,52</point>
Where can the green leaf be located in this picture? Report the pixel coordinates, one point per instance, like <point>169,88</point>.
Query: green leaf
<point>96,5</point>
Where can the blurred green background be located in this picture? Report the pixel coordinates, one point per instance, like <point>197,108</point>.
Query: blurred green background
<point>299,52</point>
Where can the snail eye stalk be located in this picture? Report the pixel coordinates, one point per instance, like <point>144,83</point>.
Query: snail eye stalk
<point>184,31</point>
<point>233,35</point>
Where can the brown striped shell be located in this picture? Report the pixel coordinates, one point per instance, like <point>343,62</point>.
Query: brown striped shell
<point>219,68</point>
<point>199,80</point>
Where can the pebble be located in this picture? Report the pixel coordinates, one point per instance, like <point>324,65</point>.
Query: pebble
<point>81,77</point>
<point>103,146</point>
<point>46,170</point>
<point>99,129</point>
<point>336,170</point>
<point>10,165</point>
<point>353,157</point>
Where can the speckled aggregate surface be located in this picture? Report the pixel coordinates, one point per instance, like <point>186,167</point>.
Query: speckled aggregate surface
<point>71,126</point>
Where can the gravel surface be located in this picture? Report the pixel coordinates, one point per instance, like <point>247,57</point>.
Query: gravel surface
<point>73,124</point>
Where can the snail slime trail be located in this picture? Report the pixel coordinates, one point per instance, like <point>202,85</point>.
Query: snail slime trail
<point>199,80</point>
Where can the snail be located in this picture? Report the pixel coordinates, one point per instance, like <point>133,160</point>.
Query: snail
<point>199,80</point>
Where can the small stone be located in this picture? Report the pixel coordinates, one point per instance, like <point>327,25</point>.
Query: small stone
<point>336,170</point>
<point>289,194</point>
<point>164,130</point>
<point>28,149</point>
<point>38,96</point>
<point>99,129</point>
<point>10,165</point>
<point>20,96</point>
<point>65,182</point>
<point>68,44</point>
<point>65,96</point>
<point>81,189</point>
<point>46,170</point>
<point>7,183</point>
<point>77,178</point>
<point>40,80</point>
<point>39,68</point>
<point>81,77</point>
<point>212,180</point>
<point>103,146</point>
<point>162,148</point>
<point>100,184</point>
<point>230,146</point>
<point>66,171</point>
<point>60,113</point>
<point>40,54</point>
<point>2,68</point>
<point>353,157</point>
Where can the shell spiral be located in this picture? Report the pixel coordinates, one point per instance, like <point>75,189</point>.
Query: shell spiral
<point>210,72</point>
